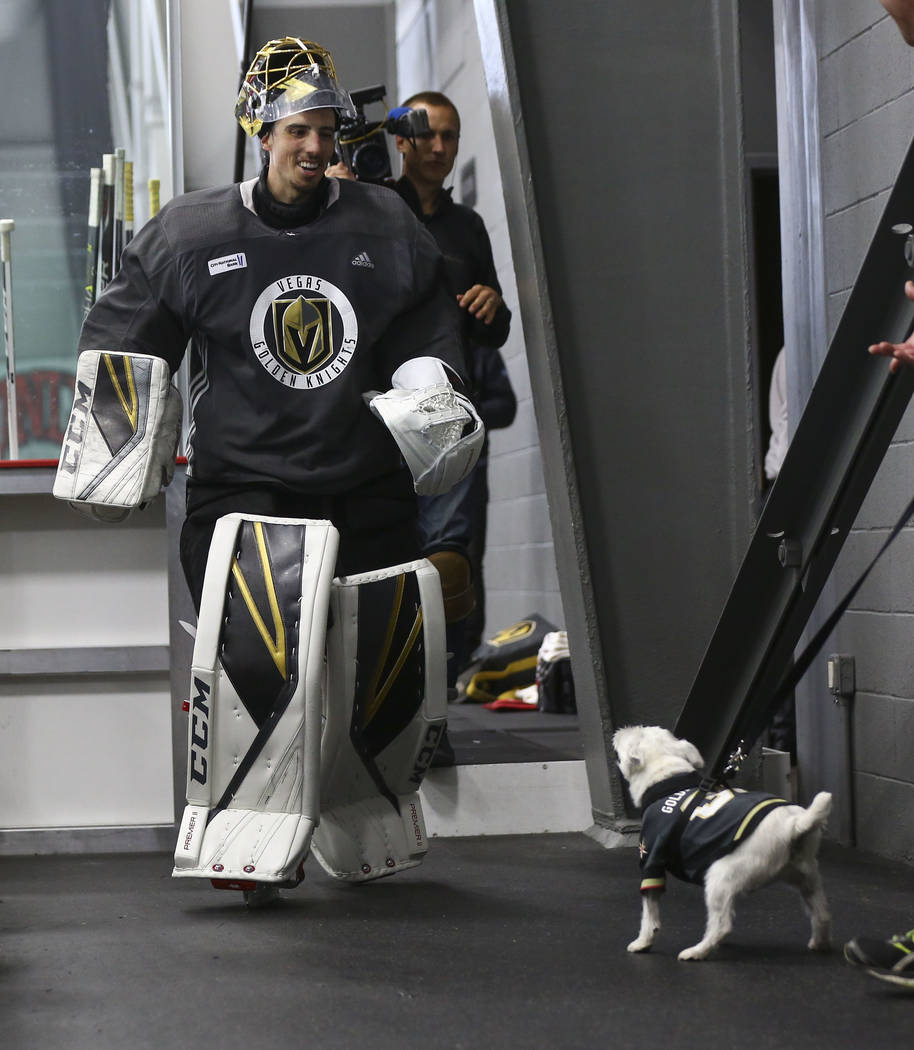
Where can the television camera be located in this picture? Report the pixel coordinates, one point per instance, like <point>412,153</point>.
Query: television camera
<point>362,143</point>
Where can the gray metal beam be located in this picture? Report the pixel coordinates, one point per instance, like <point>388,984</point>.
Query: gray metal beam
<point>570,543</point>
<point>151,838</point>
<point>88,660</point>
<point>625,206</point>
<point>27,481</point>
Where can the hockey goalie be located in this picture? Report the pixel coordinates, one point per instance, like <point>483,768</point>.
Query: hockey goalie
<point>325,388</point>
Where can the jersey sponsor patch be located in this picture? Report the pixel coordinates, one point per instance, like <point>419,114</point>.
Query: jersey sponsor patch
<point>303,331</point>
<point>227,262</point>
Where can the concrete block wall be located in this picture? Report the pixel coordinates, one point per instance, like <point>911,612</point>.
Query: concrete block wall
<point>438,48</point>
<point>866,113</point>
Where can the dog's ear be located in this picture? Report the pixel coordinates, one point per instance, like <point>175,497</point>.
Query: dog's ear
<point>691,754</point>
<point>633,760</point>
<point>627,751</point>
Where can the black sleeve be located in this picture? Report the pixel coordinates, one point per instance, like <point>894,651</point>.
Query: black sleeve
<point>430,325</point>
<point>493,394</point>
<point>142,310</point>
<point>496,333</point>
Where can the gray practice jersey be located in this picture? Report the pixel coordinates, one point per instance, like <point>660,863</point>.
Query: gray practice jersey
<point>288,328</point>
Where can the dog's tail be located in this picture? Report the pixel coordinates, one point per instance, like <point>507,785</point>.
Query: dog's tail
<point>815,815</point>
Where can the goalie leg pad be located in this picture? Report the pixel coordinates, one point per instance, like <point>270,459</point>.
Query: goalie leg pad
<point>121,439</point>
<point>255,700</point>
<point>385,710</point>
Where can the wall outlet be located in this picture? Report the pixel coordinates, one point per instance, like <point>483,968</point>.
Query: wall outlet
<point>841,675</point>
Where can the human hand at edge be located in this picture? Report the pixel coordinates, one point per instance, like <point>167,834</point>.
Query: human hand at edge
<point>340,171</point>
<point>901,353</point>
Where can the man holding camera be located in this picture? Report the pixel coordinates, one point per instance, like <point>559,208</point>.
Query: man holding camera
<point>452,525</point>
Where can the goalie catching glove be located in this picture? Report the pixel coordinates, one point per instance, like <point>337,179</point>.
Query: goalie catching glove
<point>437,429</point>
<point>120,444</point>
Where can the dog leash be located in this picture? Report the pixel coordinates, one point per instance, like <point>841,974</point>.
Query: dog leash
<point>802,663</point>
<point>709,784</point>
<point>706,786</point>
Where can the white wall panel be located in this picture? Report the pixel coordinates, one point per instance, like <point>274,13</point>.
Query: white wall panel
<point>90,753</point>
<point>68,582</point>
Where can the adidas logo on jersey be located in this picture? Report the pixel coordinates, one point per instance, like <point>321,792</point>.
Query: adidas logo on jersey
<point>362,260</point>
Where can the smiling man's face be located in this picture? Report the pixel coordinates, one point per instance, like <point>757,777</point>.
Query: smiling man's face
<point>300,149</point>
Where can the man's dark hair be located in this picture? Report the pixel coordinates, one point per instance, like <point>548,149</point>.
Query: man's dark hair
<point>433,98</point>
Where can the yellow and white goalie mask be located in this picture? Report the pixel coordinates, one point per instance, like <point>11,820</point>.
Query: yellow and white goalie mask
<point>287,76</point>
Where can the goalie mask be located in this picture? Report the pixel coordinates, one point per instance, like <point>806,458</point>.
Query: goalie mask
<point>289,76</point>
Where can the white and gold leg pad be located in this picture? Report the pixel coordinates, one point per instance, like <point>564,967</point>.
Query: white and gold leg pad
<point>255,701</point>
<point>385,709</point>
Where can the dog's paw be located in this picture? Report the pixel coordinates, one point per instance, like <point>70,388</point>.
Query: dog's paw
<point>639,945</point>
<point>693,954</point>
<point>819,944</point>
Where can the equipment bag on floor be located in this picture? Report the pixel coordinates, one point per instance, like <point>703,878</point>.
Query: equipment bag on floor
<point>507,660</point>
<point>553,675</point>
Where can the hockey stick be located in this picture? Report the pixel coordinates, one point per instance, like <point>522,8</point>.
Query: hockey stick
<point>117,244</point>
<point>107,216</point>
<point>92,244</point>
<point>6,226</point>
<point>240,137</point>
<point>153,197</point>
<point>128,202</point>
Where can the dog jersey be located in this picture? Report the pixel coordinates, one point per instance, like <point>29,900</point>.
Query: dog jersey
<point>718,824</point>
<point>288,329</point>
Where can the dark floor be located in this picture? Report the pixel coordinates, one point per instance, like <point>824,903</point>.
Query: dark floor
<point>491,943</point>
<point>480,736</point>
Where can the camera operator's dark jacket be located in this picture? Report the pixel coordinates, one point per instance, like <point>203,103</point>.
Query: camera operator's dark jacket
<point>460,234</point>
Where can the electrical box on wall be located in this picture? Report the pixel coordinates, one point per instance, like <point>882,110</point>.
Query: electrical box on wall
<point>842,681</point>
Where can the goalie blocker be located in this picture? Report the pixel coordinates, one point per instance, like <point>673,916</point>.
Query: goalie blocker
<point>122,436</point>
<point>277,747</point>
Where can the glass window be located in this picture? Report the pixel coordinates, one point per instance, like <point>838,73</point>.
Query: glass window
<point>85,82</point>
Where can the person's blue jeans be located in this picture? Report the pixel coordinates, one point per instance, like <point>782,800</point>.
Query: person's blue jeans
<point>450,522</point>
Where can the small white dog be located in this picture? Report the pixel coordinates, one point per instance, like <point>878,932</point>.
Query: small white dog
<point>733,841</point>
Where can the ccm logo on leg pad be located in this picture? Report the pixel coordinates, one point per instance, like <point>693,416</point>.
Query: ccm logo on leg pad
<point>199,730</point>
<point>429,745</point>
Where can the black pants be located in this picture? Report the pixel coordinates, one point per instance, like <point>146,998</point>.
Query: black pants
<point>376,522</point>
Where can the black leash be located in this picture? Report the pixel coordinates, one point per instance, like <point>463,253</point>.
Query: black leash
<point>709,784</point>
<point>802,663</point>
<point>706,786</point>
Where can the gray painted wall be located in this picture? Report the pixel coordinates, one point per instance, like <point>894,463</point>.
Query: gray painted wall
<point>866,114</point>
<point>634,137</point>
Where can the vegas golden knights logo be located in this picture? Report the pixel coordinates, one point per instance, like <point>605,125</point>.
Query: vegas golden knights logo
<point>303,331</point>
<point>514,633</point>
